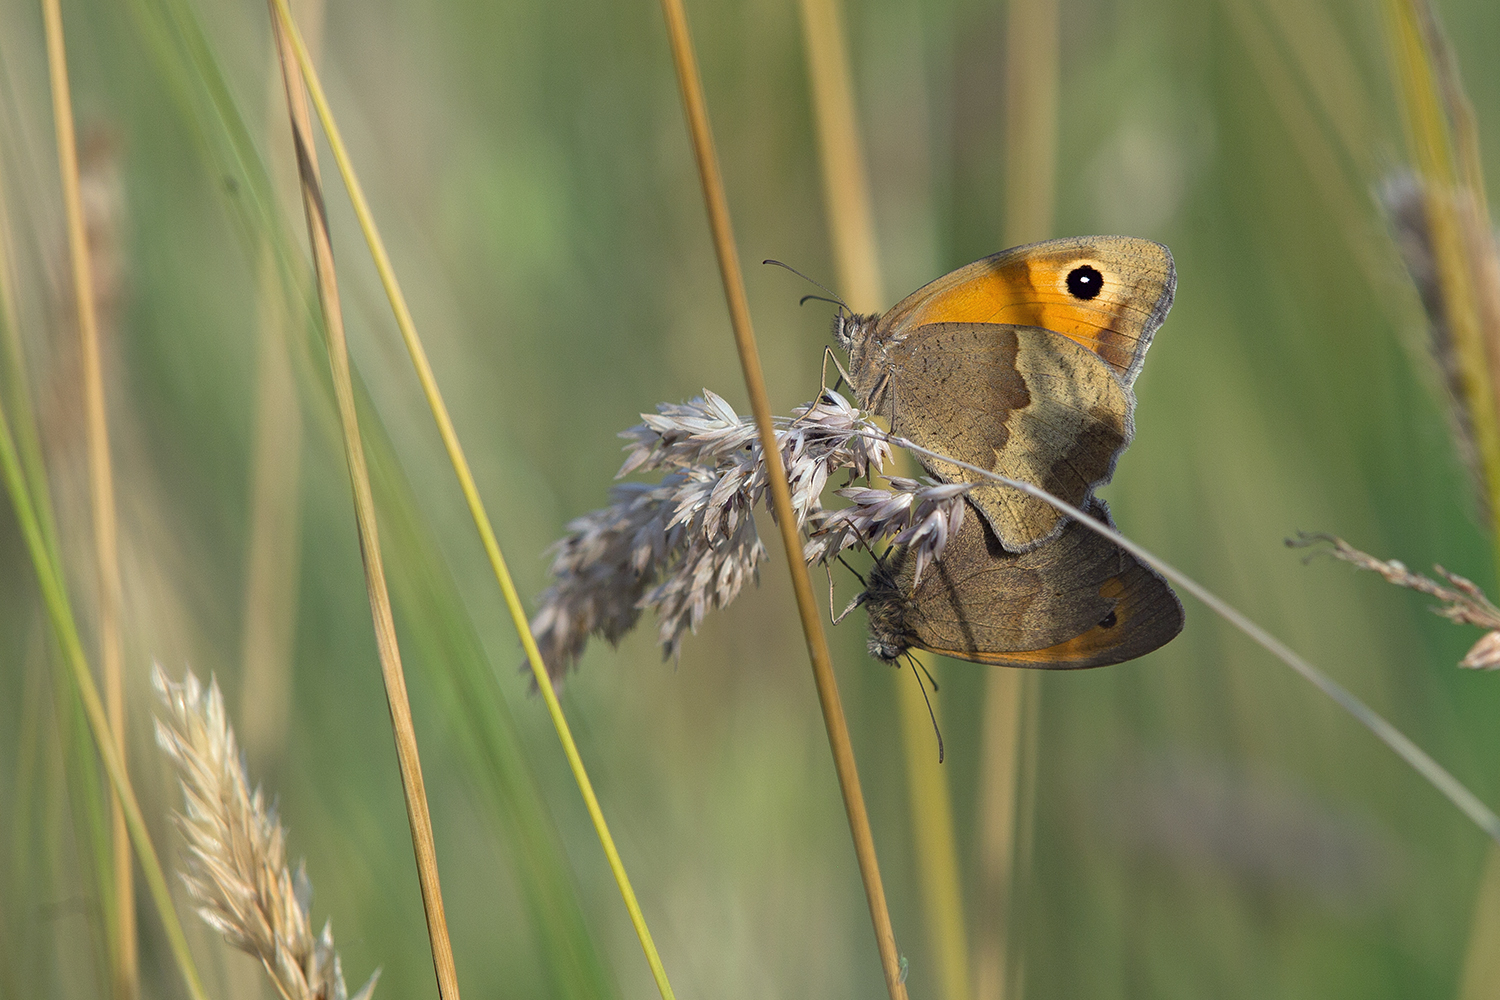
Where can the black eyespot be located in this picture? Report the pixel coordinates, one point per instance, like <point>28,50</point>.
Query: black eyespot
<point>1085,281</point>
<point>1109,621</point>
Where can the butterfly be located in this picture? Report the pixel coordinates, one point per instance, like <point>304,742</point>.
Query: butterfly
<point>1022,363</point>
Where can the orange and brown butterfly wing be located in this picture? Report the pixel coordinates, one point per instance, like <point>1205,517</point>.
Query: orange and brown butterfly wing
<point>1108,293</point>
<point>1025,402</point>
<point>1079,601</point>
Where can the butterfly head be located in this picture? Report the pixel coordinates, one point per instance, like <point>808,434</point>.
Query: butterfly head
<point>885,604</point>
<point>851,328</point>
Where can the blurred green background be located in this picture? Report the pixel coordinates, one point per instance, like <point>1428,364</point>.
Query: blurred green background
<point>1205,824</point>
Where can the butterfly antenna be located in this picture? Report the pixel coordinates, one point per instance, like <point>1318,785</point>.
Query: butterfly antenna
<point>835,300</point>
<point>818,298</point>
<point>917,670</point>
<point>928,674</point>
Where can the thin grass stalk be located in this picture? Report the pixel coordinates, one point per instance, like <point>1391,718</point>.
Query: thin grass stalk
<point>17,388</point>
<point>190,69</point>
<point>91,834</point>
<point>404,732</point>
<point>88,814</point>
<point>271,578</point>
<point>60,611</point>
<point>846,186</point>
<point>269,612</point>
<point>124,953</point>
<point>934,841</point>
<point>475,706</point>
<point>1481,971</point>
<point>22,876</point>
<point>1031,84</point>
<point>847,201</point>
<point>690,87</point>
<point>1434,773</point>
<point>470,490</point>
<point>1012,698</point>
<point>178,42</point>
<point>998,797</point>
<point>1312,41</point>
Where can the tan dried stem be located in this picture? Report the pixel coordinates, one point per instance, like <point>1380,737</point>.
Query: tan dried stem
<point>124,955</point>
<point>237,870</point>
<point>690,87</point>
<point>412,785</point>
<point>847,203</point>
<point>1012,697</point>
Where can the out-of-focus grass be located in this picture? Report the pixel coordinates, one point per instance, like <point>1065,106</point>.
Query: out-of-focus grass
<point>1206,825</point>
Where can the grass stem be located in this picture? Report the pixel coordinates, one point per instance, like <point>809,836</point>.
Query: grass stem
<point>1436,775</point>
<point>60,611</point>
<point>690,87</point>
<point>124,947</point>
<point>850,211</point>
<point>412,784</point>
<point>461,469</point>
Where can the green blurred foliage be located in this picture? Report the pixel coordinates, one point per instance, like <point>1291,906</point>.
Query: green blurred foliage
<point>1207,824</point>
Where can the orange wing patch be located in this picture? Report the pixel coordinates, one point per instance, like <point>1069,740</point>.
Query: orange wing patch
<point>1125,290</point>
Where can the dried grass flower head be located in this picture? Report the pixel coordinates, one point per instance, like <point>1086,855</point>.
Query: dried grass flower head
<point>688,543</point>
<point>1463,602</point>
<point>236,866</point>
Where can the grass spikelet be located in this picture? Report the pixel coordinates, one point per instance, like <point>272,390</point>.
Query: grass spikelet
<point>236,870</point>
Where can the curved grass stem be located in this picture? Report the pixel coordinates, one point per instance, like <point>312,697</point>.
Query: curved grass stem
<point>1436,775</point>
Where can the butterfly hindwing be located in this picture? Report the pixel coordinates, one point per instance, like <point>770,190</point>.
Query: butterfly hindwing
<point>1079,601</point>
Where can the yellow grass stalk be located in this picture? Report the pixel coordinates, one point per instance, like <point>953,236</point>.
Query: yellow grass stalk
<point>999,794</point>
<point>933,841</point>
<point>1012,697</point>
<point>846,197</point>
<point>60,611</point>
<point>412,785</point>
<point>1031,82</point>
<point>124,957</point>
<point>846,188</point>
<point>690,87</point>
<point>466,481</point>
<point>28,441</point>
